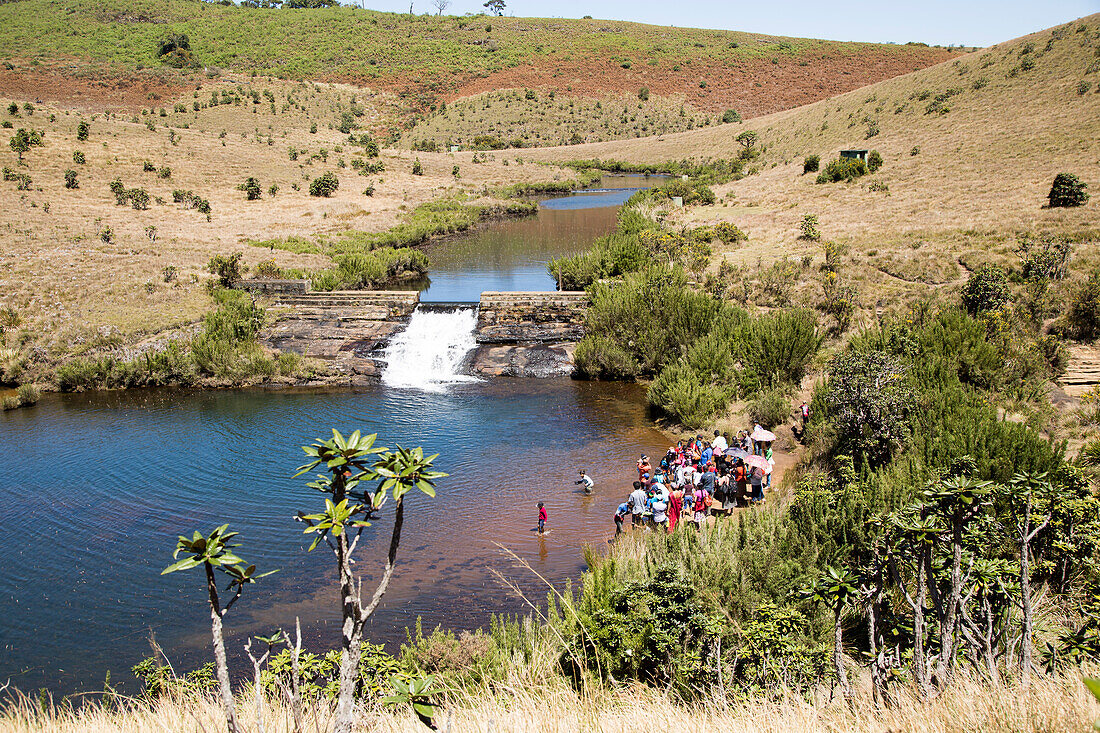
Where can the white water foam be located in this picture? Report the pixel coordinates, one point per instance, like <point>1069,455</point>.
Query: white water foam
<point>429,353</point>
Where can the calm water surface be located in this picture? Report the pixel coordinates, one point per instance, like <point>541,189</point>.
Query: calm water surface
<point>95,488</point>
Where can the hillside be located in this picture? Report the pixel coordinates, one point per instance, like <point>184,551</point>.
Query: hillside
<point>970,148</point>
<point>427,59</point>
<point>82,272</point>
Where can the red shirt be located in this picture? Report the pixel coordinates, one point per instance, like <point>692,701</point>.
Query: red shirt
<point>542,513</point>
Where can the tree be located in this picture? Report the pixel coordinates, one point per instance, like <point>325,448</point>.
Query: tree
<point>837,589</point>
<point>82,131</point>
<point>441,5</point>
<point>24,140</point>
<point>1068,190</point>
<point>495,6</point>
<point>324,184</point>
<point>349,464</point>
<point>1031,496</point>
<point>226,267</point>
<point>747,139</point>
<point>215,552</point>
<point>868,402</point>
<point>986,290</point>
<point>251,188</point>
<point>70,179</point>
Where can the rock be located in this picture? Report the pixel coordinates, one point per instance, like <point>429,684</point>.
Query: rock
<point>518,360</point>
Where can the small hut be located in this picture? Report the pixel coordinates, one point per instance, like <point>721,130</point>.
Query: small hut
<point>854,154</point>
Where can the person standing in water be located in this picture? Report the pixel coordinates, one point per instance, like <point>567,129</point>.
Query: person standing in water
<point>542,518</point>
<point>587,481</point>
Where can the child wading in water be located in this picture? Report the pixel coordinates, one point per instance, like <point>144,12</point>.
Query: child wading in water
<point>542,518</point>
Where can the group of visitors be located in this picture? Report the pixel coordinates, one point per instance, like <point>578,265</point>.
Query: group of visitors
<point>697,478</point>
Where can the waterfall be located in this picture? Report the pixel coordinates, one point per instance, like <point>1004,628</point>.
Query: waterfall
<point>428,354</point>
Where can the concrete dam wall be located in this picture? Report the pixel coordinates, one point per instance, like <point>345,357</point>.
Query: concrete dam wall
<point>517,333</point>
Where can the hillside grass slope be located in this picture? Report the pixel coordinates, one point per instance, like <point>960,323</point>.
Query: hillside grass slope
<point>970,149</point>
<point>428,58</point>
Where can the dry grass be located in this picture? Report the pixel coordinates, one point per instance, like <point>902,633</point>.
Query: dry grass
<point>72,289</point>
<point>1053,705</point>
<point>981,174</point>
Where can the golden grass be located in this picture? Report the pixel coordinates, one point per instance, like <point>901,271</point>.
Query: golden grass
<point>981,173</point>
<point>1052,705</point>
<point>72,289</point>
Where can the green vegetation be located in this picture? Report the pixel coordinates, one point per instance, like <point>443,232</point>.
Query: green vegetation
<point>225,350</point>
<point>842,169</point>
<point>1068,190</point>
<point>324,185</point>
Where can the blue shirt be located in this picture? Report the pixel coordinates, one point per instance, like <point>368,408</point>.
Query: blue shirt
<point>705,458</point>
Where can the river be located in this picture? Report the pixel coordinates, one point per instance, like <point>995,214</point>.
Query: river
<point>95,487</point>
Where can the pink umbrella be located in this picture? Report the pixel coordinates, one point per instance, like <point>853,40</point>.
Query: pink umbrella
<point>763,436</point>
<point>757,462</point>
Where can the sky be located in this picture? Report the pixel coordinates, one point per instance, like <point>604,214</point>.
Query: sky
<point>944,22</point>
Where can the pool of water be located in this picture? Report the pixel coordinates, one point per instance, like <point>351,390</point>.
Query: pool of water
<point>512,255</point>
<point>94,489</point>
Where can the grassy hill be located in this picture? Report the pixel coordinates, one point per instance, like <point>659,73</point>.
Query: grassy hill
<point>970,148</point>
<point>427,59</point>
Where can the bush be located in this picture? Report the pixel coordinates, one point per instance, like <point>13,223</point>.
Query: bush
<point>779,345</point>
<point>251,188</point>
<point>874,161</point>
<point>70,179</point>
<point>78,157</point>
<point>809,228</point>
<point>680,392</point>
<point>267,270</point>
<point>417,169</point>
<point>1083,314</point>
<point>372,269</point>
<point>226,267</point>
<point>1068,190</point>
<point>811,164</point>
<point>119,191</point>
<point>729,233</point>
<point>986,290</point>
<point>138,198</point>
<point>164,173</point>
<point>643,94</point>
<point>28,394</point>
<point>770,408</point>
<point>868,403</point>
<point>324,185</point>
<point>842,169</point>
<point>730,116</point>
<point>82,131</point>
<point>148,167</point>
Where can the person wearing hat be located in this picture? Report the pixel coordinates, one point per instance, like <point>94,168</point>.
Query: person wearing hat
<point>643,466</point>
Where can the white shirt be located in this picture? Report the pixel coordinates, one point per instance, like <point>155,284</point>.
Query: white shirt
<point>719,443</point>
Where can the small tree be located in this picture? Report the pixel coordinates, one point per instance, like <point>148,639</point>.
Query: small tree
<point>226,267</point>
<point>1068,190</point>
<point>730,116</point>
<point>811,164</point>
<point>441,5</point>
<point>82,131</point>
<point>349,464</point>
<point>986,290</point>
<point>837,589</point>
<point>809,228</point>
<point>70,179</point>
<point>868,402</point>
<point>78,157</point>
<point>496,6</point>
<point>24,140</point>
<point>874,161</point>
<point>747,139</point>
<point>324,184</point>
<point>215,553</point>
<point>418,169</point>
<point>1031,497</point>
<point>251,188</point>
<point>139,198</point>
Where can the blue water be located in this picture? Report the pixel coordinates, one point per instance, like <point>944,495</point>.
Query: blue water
<point>512,255</point>
<point>94,489</point>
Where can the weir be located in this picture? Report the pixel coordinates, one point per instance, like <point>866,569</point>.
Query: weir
<point>429,354</point>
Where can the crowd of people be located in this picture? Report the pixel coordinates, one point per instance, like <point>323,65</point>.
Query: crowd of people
<point>697,478</point>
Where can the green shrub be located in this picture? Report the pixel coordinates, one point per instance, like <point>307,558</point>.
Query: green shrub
<point>70,179</point>
<point>148,167</point>
<point>372,269</point>
<point>643,94</point>
<point>164,172</point>
<point>730,116</point>
<point>251,188</point>
<point>138,198</point>
<point>227,268</point>
<point>417,169</point>
<point>811,164</point>
<point>28,394</point>
<point>324,184</point>
<point>78,157</point>
<point>729,233</point>
<point>679,392</point>
<point>986,290</point>
<point>770,408</point>
<point>82,130</point>
<point>874,161</point>
<point>842,169</point>
<point>1082,317</point>
<point>809,228</point>
<point>779,345</point>
<point>1068,190</point>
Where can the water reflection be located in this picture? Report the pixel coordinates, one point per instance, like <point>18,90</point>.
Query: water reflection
<point>94,489</point>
